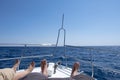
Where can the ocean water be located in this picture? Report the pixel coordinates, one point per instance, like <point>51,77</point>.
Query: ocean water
<point>106,59</point>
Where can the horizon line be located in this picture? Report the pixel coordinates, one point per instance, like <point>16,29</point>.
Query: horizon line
<point>45,44</point>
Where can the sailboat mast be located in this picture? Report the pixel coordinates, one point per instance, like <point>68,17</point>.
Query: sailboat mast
<point>62,21</point>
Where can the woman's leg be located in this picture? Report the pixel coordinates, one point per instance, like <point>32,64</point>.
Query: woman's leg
<point>24,73</point>
<point>16,65</point>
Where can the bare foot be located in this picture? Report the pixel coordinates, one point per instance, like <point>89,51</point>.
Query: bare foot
<point>44,67</point>
<point>17,62</point>
<point>22,74</point>
<point>75,69</point>
<point>31,66</point>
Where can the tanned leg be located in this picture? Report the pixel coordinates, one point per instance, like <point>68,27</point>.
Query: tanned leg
<point>75,69</point>
<point>44,67</point>
<point>15,66</point>
<point>22,74</point>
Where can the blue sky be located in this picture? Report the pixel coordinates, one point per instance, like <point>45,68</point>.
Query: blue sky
<point>87,22</point>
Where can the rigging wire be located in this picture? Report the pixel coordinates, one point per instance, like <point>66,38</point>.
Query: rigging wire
<point>59,31</point>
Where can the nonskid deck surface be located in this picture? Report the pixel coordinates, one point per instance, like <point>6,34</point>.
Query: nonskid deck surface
<point>61,72</point>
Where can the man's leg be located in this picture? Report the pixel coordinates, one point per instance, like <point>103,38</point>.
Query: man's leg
<point>75,69</point>
<point>44,67</point>
<point>24,73</point>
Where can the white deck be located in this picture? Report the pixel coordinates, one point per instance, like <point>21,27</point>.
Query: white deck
<point>61,71</point>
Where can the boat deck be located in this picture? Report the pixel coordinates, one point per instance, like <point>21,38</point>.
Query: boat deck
<point>62,73</point>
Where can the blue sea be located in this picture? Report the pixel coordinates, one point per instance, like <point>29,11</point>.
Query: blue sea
<point>106,59</point>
